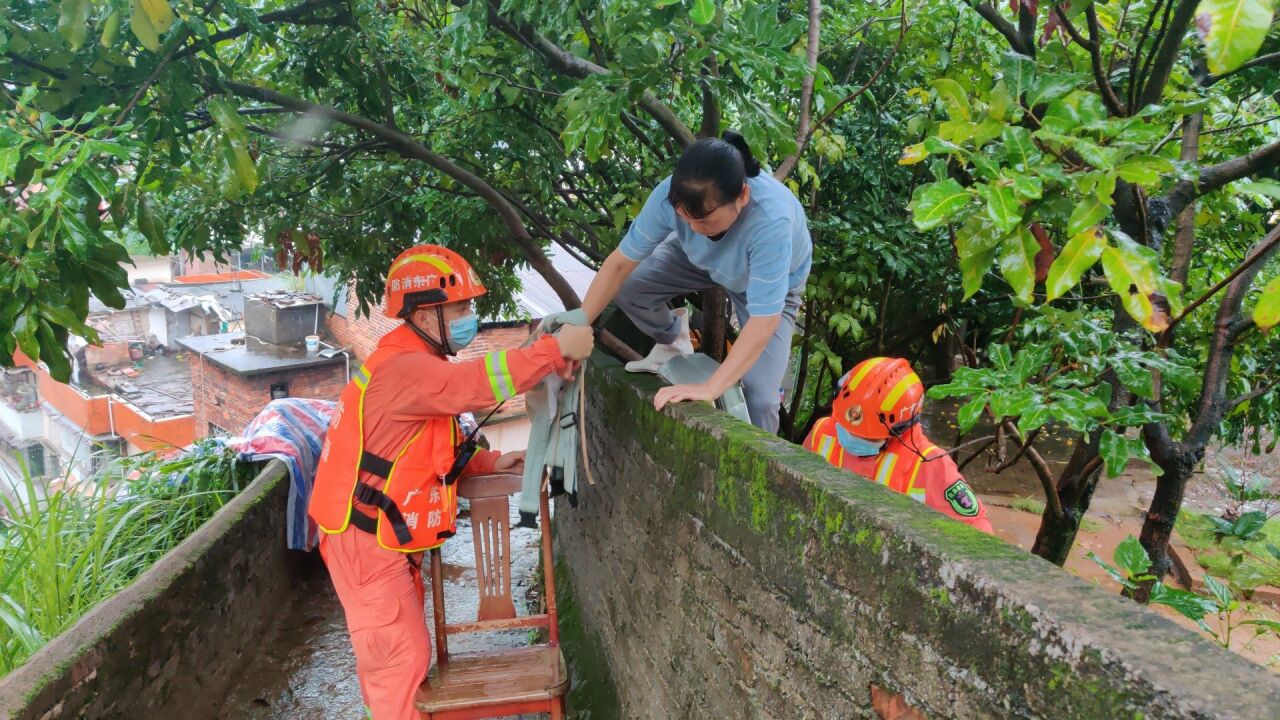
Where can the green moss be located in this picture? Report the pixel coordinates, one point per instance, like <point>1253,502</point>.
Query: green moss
<point>860,537</point>
<point>592,693</point>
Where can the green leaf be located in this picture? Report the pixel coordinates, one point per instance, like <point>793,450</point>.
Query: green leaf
<point>703,11</point>
<point>1018,71</point>
<point>1144,170</point>
<point>1110,570</point>
<point>152,225</point>
<point>1220,591</point>
<point>1117,450</point>
<point>1000,356</point>
<point>1002,205</point>
<point>1132,271</point>
<point>1021,150</point>
<point>159,13</point>
<point>1267,313</point>
<point>936,203</point>
<point>235,149</point>
<point>1248,525</point>
<point>970,413</point>
<point>1079,254</point>
<point>1188,604</point>
<point>1051,87</point>
<point>143,28</point>
<point>1028,187</point>
<point>1035,416</point>
<point>1132,557</point>
<point>73,21</point>
<point>954,97</point>
<point>1271,625</point>
<point>1232,30</point>
<point>111,28</point>
<point>1018,263</point>
<point>54,354</point>
<point>999,102</point>
<point>1137,378</point>
<point>913,154</point>
<point>1088,213</point>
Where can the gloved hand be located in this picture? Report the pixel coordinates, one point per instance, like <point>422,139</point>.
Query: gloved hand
<point>576,341</point>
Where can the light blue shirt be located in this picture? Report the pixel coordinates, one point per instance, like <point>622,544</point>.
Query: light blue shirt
<point>765,254</point>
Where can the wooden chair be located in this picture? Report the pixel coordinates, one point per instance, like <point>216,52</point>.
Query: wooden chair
<point>505,681</point>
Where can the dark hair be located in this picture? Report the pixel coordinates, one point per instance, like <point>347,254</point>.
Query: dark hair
<point>710,173</point>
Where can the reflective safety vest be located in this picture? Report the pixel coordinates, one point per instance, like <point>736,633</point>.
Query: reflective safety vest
<point>901,466</point>
<point>417,508</point>
<point>896,467</point>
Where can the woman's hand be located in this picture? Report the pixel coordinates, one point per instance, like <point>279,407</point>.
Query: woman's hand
<point>512,462</point>
<point>683,393</point>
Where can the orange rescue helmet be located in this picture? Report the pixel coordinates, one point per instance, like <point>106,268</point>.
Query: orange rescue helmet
<point>429,275</point>
<point>878,399</point>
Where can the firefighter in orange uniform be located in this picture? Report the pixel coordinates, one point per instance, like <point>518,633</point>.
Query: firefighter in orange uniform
<point>384,490</point>
<point>874,431</point>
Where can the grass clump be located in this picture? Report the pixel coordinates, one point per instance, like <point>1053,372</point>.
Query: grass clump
<point>64,550</point>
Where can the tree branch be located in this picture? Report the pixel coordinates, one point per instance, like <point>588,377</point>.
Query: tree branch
<point>36,66</point>
<point>572,65</point>
<point>1260,60</point>
<point>1185,235</point>
<point>1213,392</point>
<point>1095,59</point>
<point>1002,26</point>
<point>296,15</point>
<point>902,34</point>
<point>1167,54</point>
<point>710,126</point>
<point>806,89</point>
<point>1040,466</point>
<point>410,147</point>
<point>1252,394</point>
<point>1268,244</point>
<point>1216,176</point>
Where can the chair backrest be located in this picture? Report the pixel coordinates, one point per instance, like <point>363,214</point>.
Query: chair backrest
<point>489,496</point>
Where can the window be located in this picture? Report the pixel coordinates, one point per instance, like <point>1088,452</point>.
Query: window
<point>104,453</point>
<point>279,390</point>
<point>216,431</point>
<point>35,461</point>
<point>18,388</point>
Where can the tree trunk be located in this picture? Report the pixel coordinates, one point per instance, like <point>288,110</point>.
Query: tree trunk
<point>1057,534</point>
<point>714,323</point>
<point>1157,526</point>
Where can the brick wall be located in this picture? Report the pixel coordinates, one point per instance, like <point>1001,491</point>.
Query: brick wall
<point>361,334</point>
<point>230,401</point>
<point>725,573</point>
<point>111,354</point>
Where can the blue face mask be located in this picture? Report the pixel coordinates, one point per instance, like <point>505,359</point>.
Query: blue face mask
<point>462,331</point>
<point>855,445</point>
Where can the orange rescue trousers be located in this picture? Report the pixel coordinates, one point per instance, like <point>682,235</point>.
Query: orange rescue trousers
<point>382,595</point>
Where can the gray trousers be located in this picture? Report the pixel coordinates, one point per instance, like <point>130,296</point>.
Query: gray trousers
<point>668,273</point>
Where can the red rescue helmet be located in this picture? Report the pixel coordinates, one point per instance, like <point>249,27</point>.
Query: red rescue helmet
<point>429,275</point>
<point>878,399</point>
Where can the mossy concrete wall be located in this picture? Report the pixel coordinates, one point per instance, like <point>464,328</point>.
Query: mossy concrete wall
<point>173,642</point>
<point>727,573</point>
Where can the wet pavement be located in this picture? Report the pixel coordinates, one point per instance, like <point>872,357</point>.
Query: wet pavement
<point>307,671</point>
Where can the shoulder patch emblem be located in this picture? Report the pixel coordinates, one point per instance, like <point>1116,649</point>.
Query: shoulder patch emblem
<point>961,499</point>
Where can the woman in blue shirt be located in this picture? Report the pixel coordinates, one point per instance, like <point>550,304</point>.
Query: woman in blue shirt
<point>717,221</point>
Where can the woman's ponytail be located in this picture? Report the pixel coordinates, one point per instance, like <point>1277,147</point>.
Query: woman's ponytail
<point>749,162</point>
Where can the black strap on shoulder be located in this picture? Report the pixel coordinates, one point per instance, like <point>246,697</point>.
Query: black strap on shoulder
<point>374,465</point>
<point>369,495</point>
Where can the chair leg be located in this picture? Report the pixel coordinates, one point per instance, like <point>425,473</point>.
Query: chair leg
<point>557,709</point>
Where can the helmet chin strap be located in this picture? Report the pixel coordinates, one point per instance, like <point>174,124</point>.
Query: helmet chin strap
<point>438,345</point>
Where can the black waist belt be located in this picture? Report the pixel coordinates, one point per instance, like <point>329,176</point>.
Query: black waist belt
<point>374,465</point>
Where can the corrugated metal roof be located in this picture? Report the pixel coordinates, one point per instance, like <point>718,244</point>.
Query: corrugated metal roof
<point>536,299</point>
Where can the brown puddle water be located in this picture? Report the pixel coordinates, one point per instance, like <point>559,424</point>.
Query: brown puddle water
<point>307,670</point>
